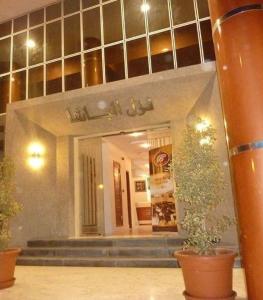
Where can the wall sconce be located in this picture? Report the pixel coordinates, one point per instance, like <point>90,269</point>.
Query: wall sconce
<point>35,156</point>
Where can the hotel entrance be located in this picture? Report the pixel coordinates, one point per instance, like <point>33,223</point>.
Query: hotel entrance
<point>125,183</point>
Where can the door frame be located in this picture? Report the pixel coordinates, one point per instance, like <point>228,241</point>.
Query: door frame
<point>76,140</point>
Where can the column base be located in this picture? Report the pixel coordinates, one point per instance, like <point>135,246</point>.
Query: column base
<point>188,297</point>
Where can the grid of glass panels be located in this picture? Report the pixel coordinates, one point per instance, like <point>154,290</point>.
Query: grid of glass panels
<point>80,43</point>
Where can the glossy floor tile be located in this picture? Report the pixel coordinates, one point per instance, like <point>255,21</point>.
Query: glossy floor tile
<point>62,283</point>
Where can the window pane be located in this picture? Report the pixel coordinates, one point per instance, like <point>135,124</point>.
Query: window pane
<point>5,55</point>
<point>72,73</point>
<point>53,11</point>
<point>91,28</point>
<point>20,23</point>
<point>4,92</point>
<point>93,68</point>
<point>18,86</point>
<point>158,16</point>
<point>54,78</point>
<point>203,9</point>
<point>35,45</point>
<point>5,29</point>
<point>89,3</point>
<point>207,39</point>
<point>35,82</point>
<point>112,22</point>
<point>19,51</point>
<point>53,40</point>
<point>72,34</point>
<point>134,18</point>
<point>114,63</point>
<point>137,57</point>
<point>183,11</point>
<point>161,51</point>
<point>187,47</point>
<point>36,17</point>
<point>71,6</point>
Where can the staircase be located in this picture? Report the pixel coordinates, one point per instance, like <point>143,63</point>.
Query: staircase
<point>150,252</point>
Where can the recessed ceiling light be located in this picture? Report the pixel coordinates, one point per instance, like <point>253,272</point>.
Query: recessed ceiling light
<point>30,44</point>
<point>145,7</point>
<point>145,145</point>
<point>136,134</point>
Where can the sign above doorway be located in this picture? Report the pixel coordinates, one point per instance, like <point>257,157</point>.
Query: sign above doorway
<point>115,109</point>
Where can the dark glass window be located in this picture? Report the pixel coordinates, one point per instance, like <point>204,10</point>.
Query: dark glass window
<point>5,29</point>
<point>161,51</point>
<point>208,46</point>
<point>183,11</point>
<point>20,23</point>
<point>137,57</point>
<point>53,40</point>
<point>91,28</point>
<point>134,18</point>
<point>112,22</point>
<point>53,11</point>
<point>187,47</point>
<point>158,15</point>
<point>36,17</point>
<point>203,9</point>
<point>89,3</point>
<point>19,51</point>
<point>93,68</point>
<point>71,6</point>
<point>72,34</point>
<point>35,82</point>
<point>114,63</point>
<point>54,78</point>
<point>35,45</point>
<point>4,92</point>
<point>5,55</point>
<point>18,86</point>
<point>72,73</point>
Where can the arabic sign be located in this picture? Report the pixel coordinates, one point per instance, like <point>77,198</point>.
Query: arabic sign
<point>136,108</point>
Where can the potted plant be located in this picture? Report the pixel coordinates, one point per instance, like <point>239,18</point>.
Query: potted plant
<point>207,270</point>
<point>9,207</point>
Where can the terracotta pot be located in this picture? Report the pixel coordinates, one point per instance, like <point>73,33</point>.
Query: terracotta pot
<point>7,267</point>
<point>208,277</point>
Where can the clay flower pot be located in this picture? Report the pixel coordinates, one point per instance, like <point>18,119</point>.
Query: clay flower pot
<point>207,277</point>
<point>7,267</point>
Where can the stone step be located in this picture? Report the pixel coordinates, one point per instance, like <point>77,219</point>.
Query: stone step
<point>141,262</point>
<point>100,251</point>
<point>109,242</point>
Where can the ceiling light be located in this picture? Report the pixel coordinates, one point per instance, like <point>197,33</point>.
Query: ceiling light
<point>205,141</point>
<point>145,7</point>
<point>30,44</point>
<point>136,134</point>
<point>145,145</point>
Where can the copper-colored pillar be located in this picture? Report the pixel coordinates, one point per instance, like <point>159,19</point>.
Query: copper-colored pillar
<point>238,40</point>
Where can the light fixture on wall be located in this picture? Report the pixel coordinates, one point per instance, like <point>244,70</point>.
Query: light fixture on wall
<point>36,155</point>
<point>30,44</point>
<point>145,7</point>
<point>202,125</point>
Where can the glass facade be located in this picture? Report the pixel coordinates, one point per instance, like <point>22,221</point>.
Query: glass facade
<point>80,43</point>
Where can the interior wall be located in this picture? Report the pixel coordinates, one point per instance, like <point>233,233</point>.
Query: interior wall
<point>46,194</point>
<point>141,197</point>
<point>111,153</point>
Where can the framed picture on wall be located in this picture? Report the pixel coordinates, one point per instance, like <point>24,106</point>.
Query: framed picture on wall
<point>140,186</point>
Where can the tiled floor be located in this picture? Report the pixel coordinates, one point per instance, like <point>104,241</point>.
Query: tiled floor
<point>61,283</point>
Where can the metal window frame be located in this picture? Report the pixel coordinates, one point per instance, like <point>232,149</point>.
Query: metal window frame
<point>102,47</point>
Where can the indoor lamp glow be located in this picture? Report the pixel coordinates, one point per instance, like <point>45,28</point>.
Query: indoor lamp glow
<point>35,159</point>
<point>202,126</point>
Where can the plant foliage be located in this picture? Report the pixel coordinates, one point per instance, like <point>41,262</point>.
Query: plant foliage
<point>9,207</point>
<point>200,187</point>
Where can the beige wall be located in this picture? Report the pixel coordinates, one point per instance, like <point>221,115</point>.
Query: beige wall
<point>46,194</point>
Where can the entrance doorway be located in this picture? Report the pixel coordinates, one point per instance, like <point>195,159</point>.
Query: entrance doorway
<point>119,199</point>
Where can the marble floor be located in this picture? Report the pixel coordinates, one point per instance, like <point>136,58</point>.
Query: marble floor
<point>62,283</point>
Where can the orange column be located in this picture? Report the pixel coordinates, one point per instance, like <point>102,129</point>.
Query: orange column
<point>238,40</point>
